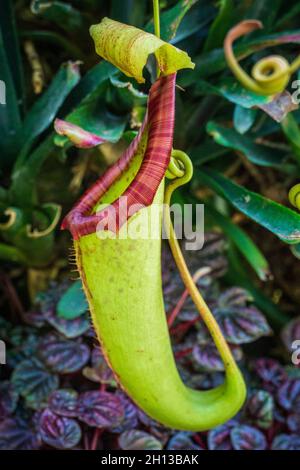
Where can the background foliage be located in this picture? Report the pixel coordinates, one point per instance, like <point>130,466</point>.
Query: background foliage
<point>56,390</point>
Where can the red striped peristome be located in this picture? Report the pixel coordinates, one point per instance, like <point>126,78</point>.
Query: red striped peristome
<point>159,123</point>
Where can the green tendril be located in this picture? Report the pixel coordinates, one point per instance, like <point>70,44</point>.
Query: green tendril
<point>269,75</point>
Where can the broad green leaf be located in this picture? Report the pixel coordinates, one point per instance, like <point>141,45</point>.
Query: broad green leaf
<point>278,219</point>
<point>171,19</point>
<point>257,154</point>
<point>243,243</point>
<point>220,25</point>
<point>128,48</point>
<point>243,118</point>
<point>45,108</point>
<point>62,14</point>
<point>73,303</point>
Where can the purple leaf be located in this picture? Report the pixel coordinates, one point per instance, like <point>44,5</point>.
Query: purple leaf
<point>34,382</point>
<point>233,297</point>
<point>58,431</point>
<point>271,373</point>
<point>241,324</point>
<point>100,409</point>
<point>245,437</point>
<point>291,333</point>
<point>16,434</point>
<point>62,355</point>
<point>99,372</point>
<point>8,399</point>
<point>64,402</point>
<point>289,395</point>
<point>293,423</point>
<point>138,440</point>
<point>207,356</point>
<point>260,408</point>
<point>220,437</point>
<point>286,442</point>
<point>69,328</point>
<point>182,441</point>
<point>130,419</point>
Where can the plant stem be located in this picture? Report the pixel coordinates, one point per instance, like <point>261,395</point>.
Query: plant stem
<point>187,278</point>
<point>156,19</point>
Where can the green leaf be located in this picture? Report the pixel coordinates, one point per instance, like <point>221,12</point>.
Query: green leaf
<point>214,61</point>
<point>89,83</point>
<point>243,243</point>
<point>23,187</point>
<point>58,40</point>
<point>206,152</point>
<point>220,25</point>
<point>233,91</point>
<point>93,116</point>
<point>287,15</point>
<point>237,275</point>
<point>243,118</point>
<point>11,46</point>
<point>62,14</point>
<point>128,48</point>
<point>278,219</point>
<point>194,21</point>
<point>123,96</point>
<point>46,107</point>
<point>10,119</point>
<point>11,253</point>
<point>129,11</point>
<point>257,154</point>
<point>265,11</point>
<point>291,130</point>
<point>171,19</point>
<point>73,303</point>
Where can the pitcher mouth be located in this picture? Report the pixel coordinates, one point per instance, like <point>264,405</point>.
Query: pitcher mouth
<point>159,126</point>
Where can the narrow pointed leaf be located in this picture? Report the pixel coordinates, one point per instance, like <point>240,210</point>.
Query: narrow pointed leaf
<point>257,154</point>
<point>45,108</point>
<point>280,220</point>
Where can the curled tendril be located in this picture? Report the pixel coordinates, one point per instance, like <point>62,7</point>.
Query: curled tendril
<point>294,196</point>
<point>11,219</point>
<point>269,75</point>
